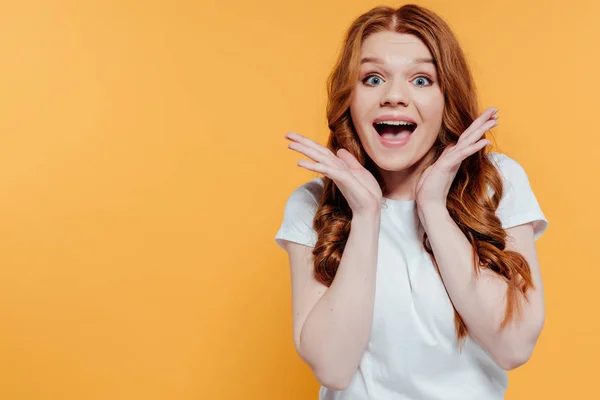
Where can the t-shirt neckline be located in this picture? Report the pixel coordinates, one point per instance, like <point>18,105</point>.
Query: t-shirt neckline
<point>399,204</point>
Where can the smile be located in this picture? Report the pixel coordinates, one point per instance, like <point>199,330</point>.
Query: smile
<point>394,134</point>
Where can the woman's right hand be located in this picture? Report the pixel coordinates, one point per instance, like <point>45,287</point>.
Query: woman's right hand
<point>359,187</point>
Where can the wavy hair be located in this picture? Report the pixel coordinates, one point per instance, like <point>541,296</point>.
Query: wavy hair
<point>469,203</point>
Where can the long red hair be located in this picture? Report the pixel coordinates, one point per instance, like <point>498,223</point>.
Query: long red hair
<point>468,202</point>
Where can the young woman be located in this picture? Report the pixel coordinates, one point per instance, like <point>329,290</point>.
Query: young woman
<point>413,261</point>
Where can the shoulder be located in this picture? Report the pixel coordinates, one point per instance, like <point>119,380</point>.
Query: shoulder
<point>506,165</point>
<point>299,212</point>
<point>311,190</point>
<point>512,173</point>
<point>306,196</point>
<point>518,204</point>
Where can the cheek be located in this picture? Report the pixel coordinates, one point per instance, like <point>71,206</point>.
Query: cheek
<point>361,111</point>
<point>361,102</point>
<point>431,109</point>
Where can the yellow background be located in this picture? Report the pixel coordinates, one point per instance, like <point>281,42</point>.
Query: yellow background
<point>143,174</point>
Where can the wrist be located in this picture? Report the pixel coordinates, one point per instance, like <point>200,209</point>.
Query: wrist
<point>372,215</point>
<point>432,212</point>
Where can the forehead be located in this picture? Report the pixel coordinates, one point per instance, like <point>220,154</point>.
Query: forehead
<point>394,48</point>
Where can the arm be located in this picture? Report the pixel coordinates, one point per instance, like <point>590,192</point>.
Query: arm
<point>332,325</point>
<point>480,299</point>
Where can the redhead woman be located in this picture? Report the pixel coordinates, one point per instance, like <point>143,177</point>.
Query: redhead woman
<point>413,262</point>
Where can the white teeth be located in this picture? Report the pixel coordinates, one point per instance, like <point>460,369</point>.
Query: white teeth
<point>394,123</point>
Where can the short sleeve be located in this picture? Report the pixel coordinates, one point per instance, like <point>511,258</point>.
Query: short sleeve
<point>298,215</point>
<point>518,204</point>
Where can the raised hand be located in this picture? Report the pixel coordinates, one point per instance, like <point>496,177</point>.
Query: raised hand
<point>435,182</point>
<point>358,186</point>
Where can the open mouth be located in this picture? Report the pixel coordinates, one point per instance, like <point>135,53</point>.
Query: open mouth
<point>394,130</point>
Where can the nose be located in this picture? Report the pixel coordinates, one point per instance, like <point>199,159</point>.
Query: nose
<point>396,94</point>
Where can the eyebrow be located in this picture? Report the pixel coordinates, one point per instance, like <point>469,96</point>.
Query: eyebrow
<point>376,60</point>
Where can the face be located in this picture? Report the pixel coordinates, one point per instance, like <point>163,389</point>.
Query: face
<point>398,81</point>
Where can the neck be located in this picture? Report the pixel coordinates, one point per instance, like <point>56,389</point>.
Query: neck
<point>401,185</point>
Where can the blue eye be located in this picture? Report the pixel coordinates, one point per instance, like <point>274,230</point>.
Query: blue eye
<point>422,80</point>
<point>370,76</point>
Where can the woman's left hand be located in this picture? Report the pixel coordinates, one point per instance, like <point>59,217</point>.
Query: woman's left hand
<point>435,182</point>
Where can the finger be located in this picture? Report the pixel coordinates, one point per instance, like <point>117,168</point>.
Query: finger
<point>315,166</point>
<point>332,173</point>
<point>471,149</point>
<point>308,142</point>
<point>349,159</point>
<point>483,118</point>
<point>448,149</point>
<point>477,133</point>
<point>311,152</point>
<point>486,116</point>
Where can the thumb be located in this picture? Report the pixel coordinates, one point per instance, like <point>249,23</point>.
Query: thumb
<point>349,159</point>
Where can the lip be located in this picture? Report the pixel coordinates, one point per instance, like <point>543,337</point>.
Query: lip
<point>391,117</point>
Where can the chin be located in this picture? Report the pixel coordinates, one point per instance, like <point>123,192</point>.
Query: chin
<point>397,162</point>
<point>392,159</point>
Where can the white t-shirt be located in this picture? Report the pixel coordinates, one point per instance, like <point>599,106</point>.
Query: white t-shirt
<point>412,352</point>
